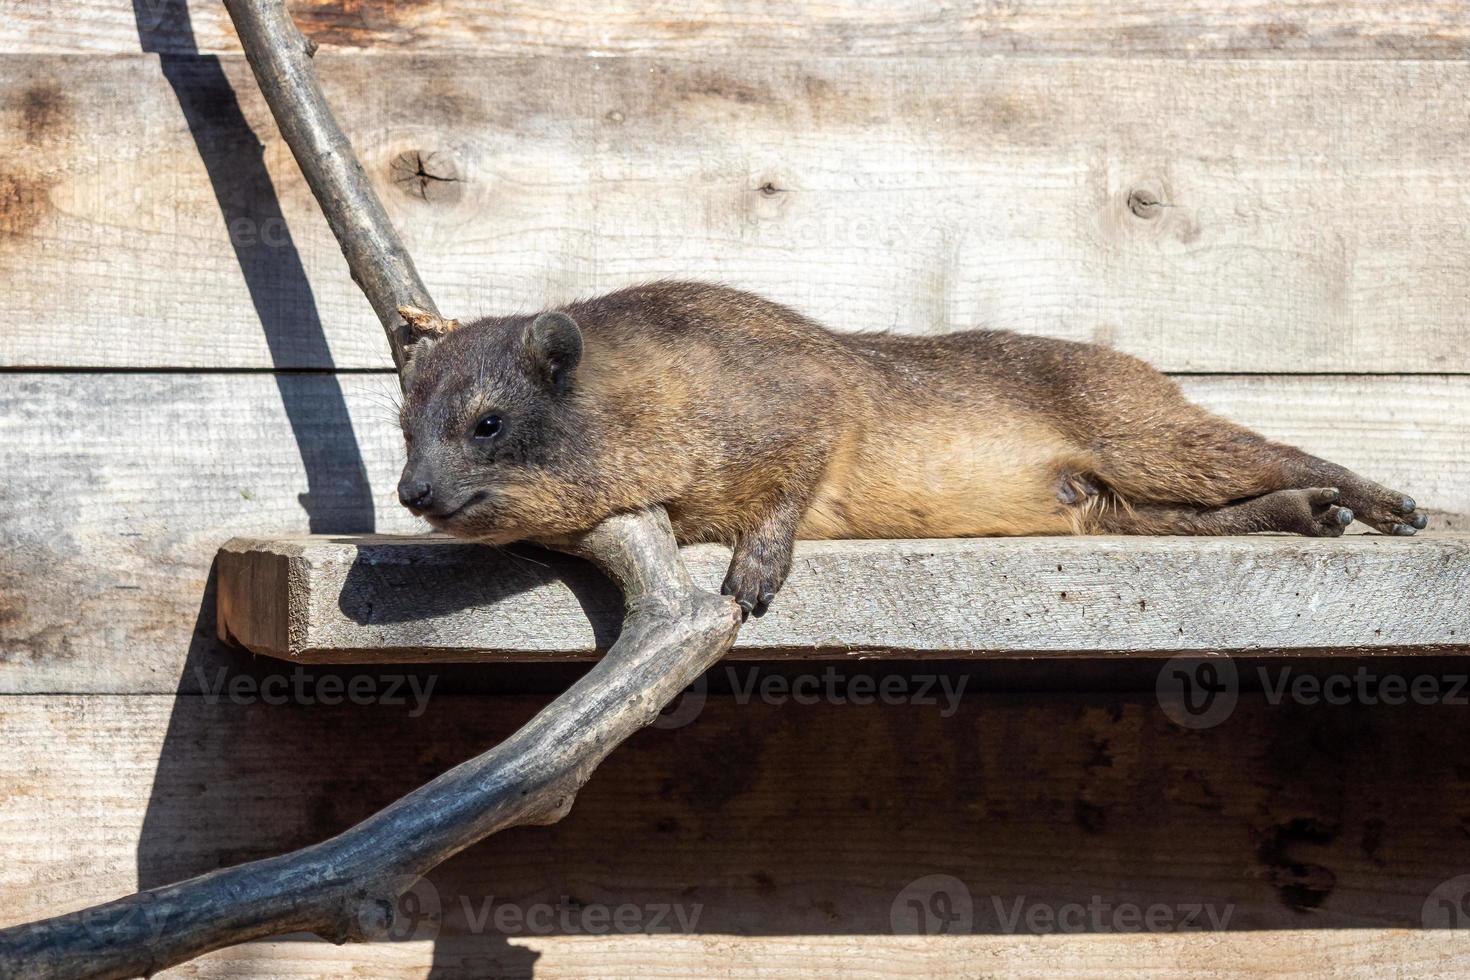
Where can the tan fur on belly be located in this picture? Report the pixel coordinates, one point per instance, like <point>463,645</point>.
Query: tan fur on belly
<point>939,481</point>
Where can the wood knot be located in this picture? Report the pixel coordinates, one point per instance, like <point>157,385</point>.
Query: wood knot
<point>1145,204</point>
<point>431,176</point>
<point>769,189</point>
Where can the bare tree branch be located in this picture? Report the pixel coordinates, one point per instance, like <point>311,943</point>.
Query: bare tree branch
<point>347,888</point>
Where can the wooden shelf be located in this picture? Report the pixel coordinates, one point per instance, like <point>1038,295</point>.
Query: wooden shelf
<point>387,599</point>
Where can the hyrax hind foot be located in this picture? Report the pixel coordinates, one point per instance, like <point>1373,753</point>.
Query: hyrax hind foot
<point>1315,512</point>
<point>1386,511</point>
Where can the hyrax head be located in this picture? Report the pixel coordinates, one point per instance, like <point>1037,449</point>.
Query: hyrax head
<point>490,423</point>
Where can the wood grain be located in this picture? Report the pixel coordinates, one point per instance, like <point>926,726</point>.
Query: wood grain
<point>1209,216</point>
<point>795,828</point>
<point>1297,214</point>
<point>1295,953</point>
<point>120,489</point>
<point>1226,28</point>
<point>380,599</point>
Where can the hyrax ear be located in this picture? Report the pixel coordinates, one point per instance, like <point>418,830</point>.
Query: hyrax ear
<point>553,345</point>
<point>424,328</point>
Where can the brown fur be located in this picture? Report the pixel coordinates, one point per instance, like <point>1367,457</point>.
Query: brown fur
<point>752,425</point>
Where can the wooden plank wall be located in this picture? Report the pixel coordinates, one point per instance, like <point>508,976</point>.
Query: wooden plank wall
<point>1308,29</point>
<point>1267,199</point>
<point>1125,201</point>
<point>793,831</point>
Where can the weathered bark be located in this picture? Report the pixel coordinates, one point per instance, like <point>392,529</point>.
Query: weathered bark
<point>347,888</point>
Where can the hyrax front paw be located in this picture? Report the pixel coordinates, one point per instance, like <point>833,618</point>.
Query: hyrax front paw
<point>753,586</point>
<point>754,578</point>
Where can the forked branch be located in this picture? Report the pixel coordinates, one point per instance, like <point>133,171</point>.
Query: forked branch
<point>347,888</point>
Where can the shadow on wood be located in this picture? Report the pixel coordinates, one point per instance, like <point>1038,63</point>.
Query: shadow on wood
<point>781,819</point>
<point>465,576</point>
<point>338,497</point>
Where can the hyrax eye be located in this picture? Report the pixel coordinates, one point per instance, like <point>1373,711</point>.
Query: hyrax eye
<point>488,427</point>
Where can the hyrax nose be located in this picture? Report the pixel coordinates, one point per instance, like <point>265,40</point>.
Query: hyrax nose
<point>415,494</point>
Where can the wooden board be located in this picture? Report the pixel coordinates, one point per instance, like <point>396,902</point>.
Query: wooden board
<point>1292,215</point>
<point>1210,216</point>
<point>1237,28</point>
<point>1296,953</point>
<point>385,599</point>
<point>795,828</point>
<point>120,489</point>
